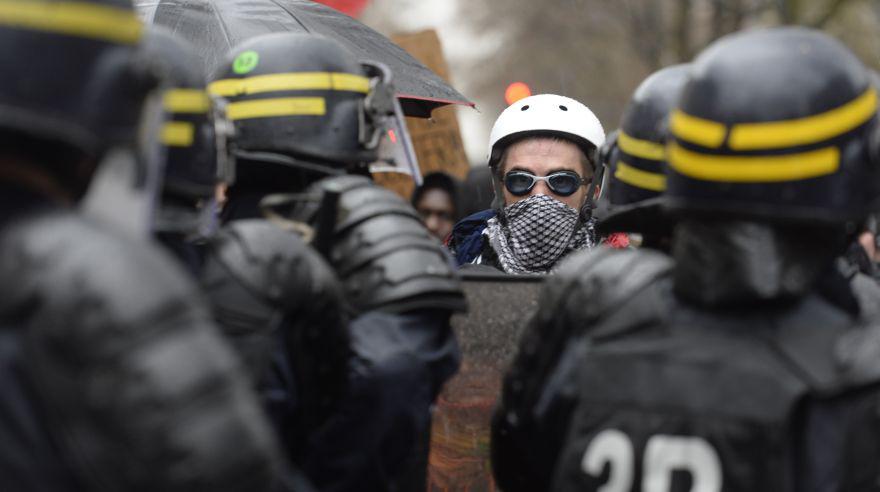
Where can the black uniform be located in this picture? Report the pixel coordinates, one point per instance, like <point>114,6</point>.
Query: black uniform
<point>784,405</point>
<point>116,377</point>
<point>347,380</point>
<point>348,337</point>
<point>113,375</point>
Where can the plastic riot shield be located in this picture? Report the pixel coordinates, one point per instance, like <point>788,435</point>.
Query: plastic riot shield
<point>500,305</point>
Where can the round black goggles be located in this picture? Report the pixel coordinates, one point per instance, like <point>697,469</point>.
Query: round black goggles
<point>562,183</point>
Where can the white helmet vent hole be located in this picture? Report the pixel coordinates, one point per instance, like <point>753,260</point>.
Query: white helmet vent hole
<point>563,108</point>
<point>524,107</point>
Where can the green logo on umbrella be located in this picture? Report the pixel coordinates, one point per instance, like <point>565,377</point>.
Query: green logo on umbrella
<point>246,62</point>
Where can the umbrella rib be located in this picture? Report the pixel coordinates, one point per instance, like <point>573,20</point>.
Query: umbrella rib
<point>292,15</point>
<point>223,27</point>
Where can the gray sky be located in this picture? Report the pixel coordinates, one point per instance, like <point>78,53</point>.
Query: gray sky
<point>461,47</point>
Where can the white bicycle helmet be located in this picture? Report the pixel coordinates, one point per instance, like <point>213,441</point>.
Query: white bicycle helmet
<point>546,114</point>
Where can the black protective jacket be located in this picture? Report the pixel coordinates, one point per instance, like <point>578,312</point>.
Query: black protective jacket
<point>349,389</point>
<point>619,382</point>
<point>113,375</point>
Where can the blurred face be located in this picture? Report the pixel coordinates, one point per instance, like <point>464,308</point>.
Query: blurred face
<point>866,239</point>
<point>542,157</point>
<point>436,208</point>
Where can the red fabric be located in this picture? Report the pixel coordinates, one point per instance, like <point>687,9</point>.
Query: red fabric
<point>348,7</point>
<point>617,240</point>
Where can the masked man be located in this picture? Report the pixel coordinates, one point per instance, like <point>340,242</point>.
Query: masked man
<point>542,156</point>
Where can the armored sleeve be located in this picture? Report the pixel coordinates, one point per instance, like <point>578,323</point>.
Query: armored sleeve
<point>399,363</point>
<point>266,285</point>
<point>538,396</point>
<point>383,254</point>
<point>133,376</point>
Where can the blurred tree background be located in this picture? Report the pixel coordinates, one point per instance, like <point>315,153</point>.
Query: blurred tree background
<point>597,51</point>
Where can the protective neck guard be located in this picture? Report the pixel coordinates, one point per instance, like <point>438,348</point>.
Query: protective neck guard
<point>736,263</point>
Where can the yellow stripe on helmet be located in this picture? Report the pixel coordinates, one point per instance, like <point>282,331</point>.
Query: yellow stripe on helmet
<point>754,169</point>
<point>189,101</point>
<point>697,130</point>
<point>805,131</point>
<point>287,106</point>
<point>643,149</point>
<point>634,176</point>
<point>78,19</point>
<point>177,134</point>
<point>279,82</point>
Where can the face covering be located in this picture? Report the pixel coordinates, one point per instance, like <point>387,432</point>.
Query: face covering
<point>532,235</point>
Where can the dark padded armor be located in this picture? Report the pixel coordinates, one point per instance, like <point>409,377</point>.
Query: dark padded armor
<point>265,284</point>
<point>746,386</point>
<point>382,252</point>
<point>600,335</point>
<point>624,355</point>
<point>588,288</point>
<point>138,389</point>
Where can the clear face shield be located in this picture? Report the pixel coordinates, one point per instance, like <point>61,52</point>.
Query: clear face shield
<point>383,129</point>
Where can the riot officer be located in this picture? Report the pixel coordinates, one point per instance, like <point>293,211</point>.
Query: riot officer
<point>193,168</point>
<point>635,160</point>
<point>340,306</point>
<point>742,363</point>
<point>113,375</point>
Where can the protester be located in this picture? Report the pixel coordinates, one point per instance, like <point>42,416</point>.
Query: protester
<point>113,375</point>
<point>436,200</point>
<point>542,154</point>
<point>347,337</point>
<point>730,355</point>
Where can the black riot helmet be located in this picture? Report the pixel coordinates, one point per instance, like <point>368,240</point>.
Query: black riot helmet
<point>303,101</point>
<point>189,137</point>
<point>635,156</point>
<point>775,125</point>
<point>188,133</point>
<point>74,78</point>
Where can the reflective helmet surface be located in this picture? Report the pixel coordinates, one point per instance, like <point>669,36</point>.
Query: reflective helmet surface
<point>188,131</point>
<point>635,155</point>
<point>546,114</point>
<point>638,169</point>
<point>776,125</point>
<point>295,94</point>
<point>74,76</point>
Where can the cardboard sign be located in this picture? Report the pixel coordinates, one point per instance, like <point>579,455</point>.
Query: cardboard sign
<point>437,140</point>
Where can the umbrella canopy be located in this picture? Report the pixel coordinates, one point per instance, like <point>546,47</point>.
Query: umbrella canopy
<point>215,26</point>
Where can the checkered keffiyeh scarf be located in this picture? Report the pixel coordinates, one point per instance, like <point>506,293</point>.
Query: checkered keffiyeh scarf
<point>536,233</point>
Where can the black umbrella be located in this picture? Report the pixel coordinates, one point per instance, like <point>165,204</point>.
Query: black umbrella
<point>215,26</point>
